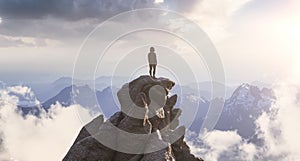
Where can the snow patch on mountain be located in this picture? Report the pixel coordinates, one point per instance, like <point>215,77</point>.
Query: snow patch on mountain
<point>250,97</point>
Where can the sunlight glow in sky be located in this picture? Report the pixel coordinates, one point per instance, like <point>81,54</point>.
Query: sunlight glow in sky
<point>159,1</point>
<point>289,31</point>
<point>255,42</point>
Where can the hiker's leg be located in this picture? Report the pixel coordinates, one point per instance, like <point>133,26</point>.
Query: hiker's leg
<point>154,70</point>
<point>150,70</point>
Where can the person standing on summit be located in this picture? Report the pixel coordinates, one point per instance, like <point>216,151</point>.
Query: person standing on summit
<point>152,62</point>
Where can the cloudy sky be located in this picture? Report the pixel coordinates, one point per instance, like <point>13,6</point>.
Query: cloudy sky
<point>256,40</point>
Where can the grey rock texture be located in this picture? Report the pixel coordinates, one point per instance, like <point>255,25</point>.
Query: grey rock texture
<point>147,111</point>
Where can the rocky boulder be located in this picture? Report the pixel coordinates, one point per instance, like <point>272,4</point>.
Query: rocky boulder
<point>146,128</point>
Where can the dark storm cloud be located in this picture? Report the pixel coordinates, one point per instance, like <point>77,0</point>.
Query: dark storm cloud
<point>60,19</point>
<point>68,9</point>
<point>79,9</point>
<point>68,19</point>
<point>33,8</point>
<point>44,28</point>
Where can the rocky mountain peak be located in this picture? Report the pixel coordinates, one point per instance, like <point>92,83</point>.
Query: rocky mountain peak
<point>145,129</point>
<point>249,96</point>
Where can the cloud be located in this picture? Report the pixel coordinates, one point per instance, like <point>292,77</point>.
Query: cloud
<point>280,130</point>
<point>22,90</point>
<point>221,145</point>
<point>25,40</point>
<point>6,41</point>
<point>31,138</point>
<point>69,9</point>
<point>19,95</point>
<point>215,16</point>
<point>49,30</point>
<point>32,9</point>
<point>68,19</point>
<point>4,95</point>
<point>74,19</point>
<point>58,20</point>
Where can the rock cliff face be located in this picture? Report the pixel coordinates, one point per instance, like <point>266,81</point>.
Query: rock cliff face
<point>146,128</point>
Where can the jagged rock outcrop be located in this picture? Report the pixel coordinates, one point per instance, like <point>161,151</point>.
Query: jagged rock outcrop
<point>145,130</point>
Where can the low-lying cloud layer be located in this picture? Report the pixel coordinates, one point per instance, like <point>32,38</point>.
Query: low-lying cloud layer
<point>221,146</point>
<point>31,138</point>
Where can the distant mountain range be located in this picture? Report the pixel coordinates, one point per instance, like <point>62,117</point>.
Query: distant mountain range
<point>240,110</point>
<point>98,101</point>
<point>45,91</point>
<point>243,104</point>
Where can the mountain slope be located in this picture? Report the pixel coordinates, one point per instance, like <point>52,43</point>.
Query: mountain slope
<point>245,105</point>
<point>97,101</point>
<point>82,95</point>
